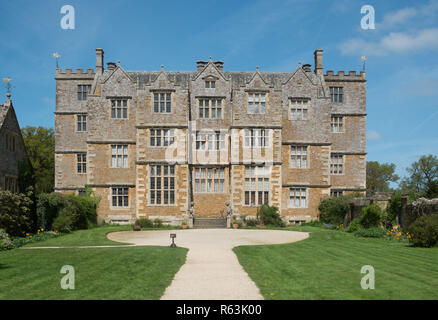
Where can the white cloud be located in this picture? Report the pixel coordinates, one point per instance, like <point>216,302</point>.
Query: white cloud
<point>373,135</point>
<point>402,16</point>
<point>394,42</point>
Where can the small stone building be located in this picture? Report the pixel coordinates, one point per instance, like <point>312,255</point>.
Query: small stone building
<point>151,142</point>
<point>12,149</point>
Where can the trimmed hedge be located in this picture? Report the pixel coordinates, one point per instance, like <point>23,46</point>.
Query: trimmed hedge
<point>424,231</point>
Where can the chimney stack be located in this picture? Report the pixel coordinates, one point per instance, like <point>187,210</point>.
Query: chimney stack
<point>201,64</point>
<point>220,65</point>
<point>99,60</point>
<point>307,67</point>
<point>111,65</point>
<point>318,61</point>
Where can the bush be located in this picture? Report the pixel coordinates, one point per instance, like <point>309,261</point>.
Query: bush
<point>63,222</point>
<point>314,223</point>
<point>269,216</point>
<point>333,210</point>
<point>370,233</point>
<point>371,216</point>
<point>354,225</point>
<point>5,241</point>
<point>158,223</point>
<point>83,211</point>
<point>251,222</point>
<point>144,223</point>
<point>15,213</point>
<point>48,207</point>
<point>394,208</point>
<point>424,231</point>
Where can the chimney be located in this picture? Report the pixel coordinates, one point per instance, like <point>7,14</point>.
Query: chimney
<point>111,65</point>
<point>201,64</point>
<point>99,60</point>
<point>219,65</point>
<point>306,68</point>
<point>318,61</point>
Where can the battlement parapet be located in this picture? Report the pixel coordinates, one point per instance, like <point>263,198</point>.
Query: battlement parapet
<point>342,76</point>
<point>68,74</point>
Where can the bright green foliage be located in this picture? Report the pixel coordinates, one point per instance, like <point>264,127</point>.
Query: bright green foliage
<point>48,207</point>
<point>144,223</point>
<point>158,223</point>
<point>40,148</point>
<point>379,176</point>
<point>269,216</point>
<point>370,233</point>
<point>63,222</point>
<point>15,212</point>
<point>5,241</point>
<point>371,216</point>
<point>423,178</point>
<point>333,210</point>
<point>354,225</point>
<point>424,231</point>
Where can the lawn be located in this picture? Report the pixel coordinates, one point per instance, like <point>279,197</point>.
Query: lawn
<point>327,266</point>
<point>101,273</point>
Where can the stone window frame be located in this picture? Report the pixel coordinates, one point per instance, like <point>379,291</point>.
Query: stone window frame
<point>202,138</point>
<point>123,109</point>
<point>211,178</point>
<point>335,193</point>
<point>299,194</point>
<point>11,183</point>
<point>253,138</point>
<point>337,124</point>
<point>10,142</point>
<point>119,195</point>
<point>259,102</point>
<point>83,91</point>
<point>122,156</point>
<point>162,98</point>
<point>337,167</point>
<point>164,175</point>
<point>203,109</point>
<point>300,156</point>
<point>162,137</point>
<point>256,188</point>
<point>210,84</point>
<point>336,94</point>
<point>299,108</point>
<point>81,122</point>
<point>81,163</point>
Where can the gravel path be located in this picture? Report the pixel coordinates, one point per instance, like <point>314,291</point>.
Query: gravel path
<point>211,271</point>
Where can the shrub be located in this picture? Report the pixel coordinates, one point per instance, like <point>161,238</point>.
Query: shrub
<point>5,241</point>
<point>251,222</point>
<point>314,223</point>
<point>268,215</point>
<point>333,210</point>
<point>424,231</point>
<point>354,225</point>
<point>371,216</point>
<point>48,207</point>
<point>239,224</point>
<point>370,233</point>
<point>394,207</point>
<point>158,223</point>
<point>144,223</point>
<point>15,213</point>
<point>63,222</point>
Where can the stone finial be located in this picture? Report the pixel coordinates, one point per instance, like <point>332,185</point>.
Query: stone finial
<point>162,68</point>
<point>299,64</point>
<point>118,63</point>
<point>257,68</point>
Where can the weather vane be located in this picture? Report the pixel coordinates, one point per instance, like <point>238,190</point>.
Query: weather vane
<point>56,55</point>
<point>363,58</point>
<point>8,84</point>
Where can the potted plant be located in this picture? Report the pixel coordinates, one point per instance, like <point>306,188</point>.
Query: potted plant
<point>184,225</point>
<point>236,224</point>
<point>137,227</point>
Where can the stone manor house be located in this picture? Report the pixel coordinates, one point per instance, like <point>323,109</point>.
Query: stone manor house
<point>150,143</point>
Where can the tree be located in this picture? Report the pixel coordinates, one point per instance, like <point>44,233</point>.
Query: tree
<point>379,176</point>
<point>423,177</point>
<point>40,147</point>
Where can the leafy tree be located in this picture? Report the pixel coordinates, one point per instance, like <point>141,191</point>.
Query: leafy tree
<point>379,176</point>
<point>40,147</point>
<point>423,177</point>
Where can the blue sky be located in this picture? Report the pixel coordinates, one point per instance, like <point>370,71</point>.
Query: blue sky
<point>402,68</point>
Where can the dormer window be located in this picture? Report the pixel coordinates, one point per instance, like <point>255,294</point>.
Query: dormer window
<point>162,102</point>
<point>210,84</point>
<point>256,103</point>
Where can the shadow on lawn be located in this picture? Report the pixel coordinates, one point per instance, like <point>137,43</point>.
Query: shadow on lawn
<point>3,266</point>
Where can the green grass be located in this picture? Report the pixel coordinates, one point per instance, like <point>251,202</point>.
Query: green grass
<point>327,266</point>
<point>101,273</point>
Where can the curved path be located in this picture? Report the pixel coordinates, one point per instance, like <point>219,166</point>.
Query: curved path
<point>211,271</point>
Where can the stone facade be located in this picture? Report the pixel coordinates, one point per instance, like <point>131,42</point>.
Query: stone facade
<point>157,140</point>
<point>12,149</point>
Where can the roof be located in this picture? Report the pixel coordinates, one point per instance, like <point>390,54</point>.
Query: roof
<point>4,108</point>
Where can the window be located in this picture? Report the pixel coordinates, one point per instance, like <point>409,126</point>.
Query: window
<point>337,124</point>
<point>256,103</point>
<point>256,185</point>
<point>210,108</point>
<point>336,163</point>
<point>210,141</point>
<point>82,122</point>
<point>162,137</point>
<point>119,156</point>
<point>298,109</point>
<point>209,180</point>
<point>256,138</point>
<point>210,84</point>
<point>162,102</point>
<point>336,193</point>
<point>10,142</point>
<point>337,94</point>
<point>82,162</point>
<point>298,157</point>
<point>11,184</point>
<point>297,198</point>
<point>83,91</point>
<point>162,185</point>
<point>120,197</point>
<point>119,108</point>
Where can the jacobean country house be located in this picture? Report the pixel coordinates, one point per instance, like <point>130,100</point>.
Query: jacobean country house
<point>152,142</point>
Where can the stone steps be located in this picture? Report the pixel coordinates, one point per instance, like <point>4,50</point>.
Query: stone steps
<point>209,223</point>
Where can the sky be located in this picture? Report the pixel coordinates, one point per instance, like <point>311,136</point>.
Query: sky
<point>401,51</point>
